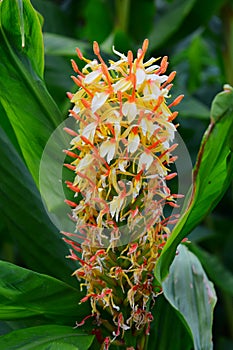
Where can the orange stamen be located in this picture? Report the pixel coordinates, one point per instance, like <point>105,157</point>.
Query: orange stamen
<point>70,203</point>
<point>169,79</point>
<point>71,154</point>
<point>176,101</point>
<point>172,116</point>
<point>159,102</point>
<point>156,143</point>
<point>70,131</point>
<point>75,68</point>
<point>69,95</point>
<point>79,53</point>
<point>170,176</point>
<point>69,166</point>
<point>80,84</point>
<point>72,187</point>
<point>163,65</point>
<point>75,115</point>
<point>96,50</point>
<point>86,141</point>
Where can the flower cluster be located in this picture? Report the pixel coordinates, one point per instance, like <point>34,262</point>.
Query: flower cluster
<point>121,150</point>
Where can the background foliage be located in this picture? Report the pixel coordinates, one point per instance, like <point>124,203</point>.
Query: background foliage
<point>198,38</point>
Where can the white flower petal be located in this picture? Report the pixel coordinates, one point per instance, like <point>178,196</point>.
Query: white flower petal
<point>108,149</point>
<point>166,144</point>
<point>122,164</point>
<point>140,76</point>
<point>144,126</point>
<point>123,57</point>
<point>92,64</point>
<point>158,78</point>
<point>152,68</point>
<point>150,61</point>
<point>129,109</point>
<point>92,76</point>
<point>111,153</point>
<point>84,163</point>
<point>122,85</point>
<point>104,147</point>
<point>89,131</point>
<point>115,206</point>
<point>117,129</point>
<point>134,141</point>
<point>145,161</point>
<point>98,100</point>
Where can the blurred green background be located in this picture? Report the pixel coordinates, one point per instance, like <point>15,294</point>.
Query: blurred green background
<point>198,38</point>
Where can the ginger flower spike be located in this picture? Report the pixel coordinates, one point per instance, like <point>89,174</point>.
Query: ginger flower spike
<point>122,150</point>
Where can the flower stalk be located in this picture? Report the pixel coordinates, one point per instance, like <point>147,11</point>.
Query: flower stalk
<point>121,154</point>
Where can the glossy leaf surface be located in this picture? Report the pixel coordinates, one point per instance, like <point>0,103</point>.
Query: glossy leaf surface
<point>23,95</point>
<point>39,241</point>
<point>27,294</point>
<point>51,337</point>
<point>167,330</point>
<point>211,176</point>
<point>190,292</point>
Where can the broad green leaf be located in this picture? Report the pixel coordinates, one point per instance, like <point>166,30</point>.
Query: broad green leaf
<point>21,19</point>
<point>27,294</point>
<point>40,243</point>
<point>57,78</point>
<point>4,328</point>
<point>192,295</point>
<point>58,45</point>
<point>212,175</point>
<point>169,22</point>
<point>141,19</point>
<point>55,17</point>
<point>49,337</point>
<point>167,330</point>
<point>193,108</point>
<point>6,125</point>
<point>30,109</point>
<point>219,274</point>
<point>98,14</point>
<point>208,10</point>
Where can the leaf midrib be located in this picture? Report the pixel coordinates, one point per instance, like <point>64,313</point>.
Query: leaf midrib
<point>17,63</point>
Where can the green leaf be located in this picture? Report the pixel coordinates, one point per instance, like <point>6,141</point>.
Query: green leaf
<point>212,175</point>
<point>4,328</point>
<point>40,243</point>
<point>193,108</point>
<point>163,333</point>
<point>174,13</point>
<point>58,45</point>
<point>27,294</point>
<point>49,337</point>
<point>192,295</point>
<point>141,19</point>
<point>218,273</point>
<point>208,10</point>
<point>20,5</point>
<point>98,14</point>
<point>30,109</point>
<point>55,19</point>
<point>6,125</point>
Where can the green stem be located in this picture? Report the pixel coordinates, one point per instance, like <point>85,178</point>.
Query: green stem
<point>142,342</point>
<point>122,14</point>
